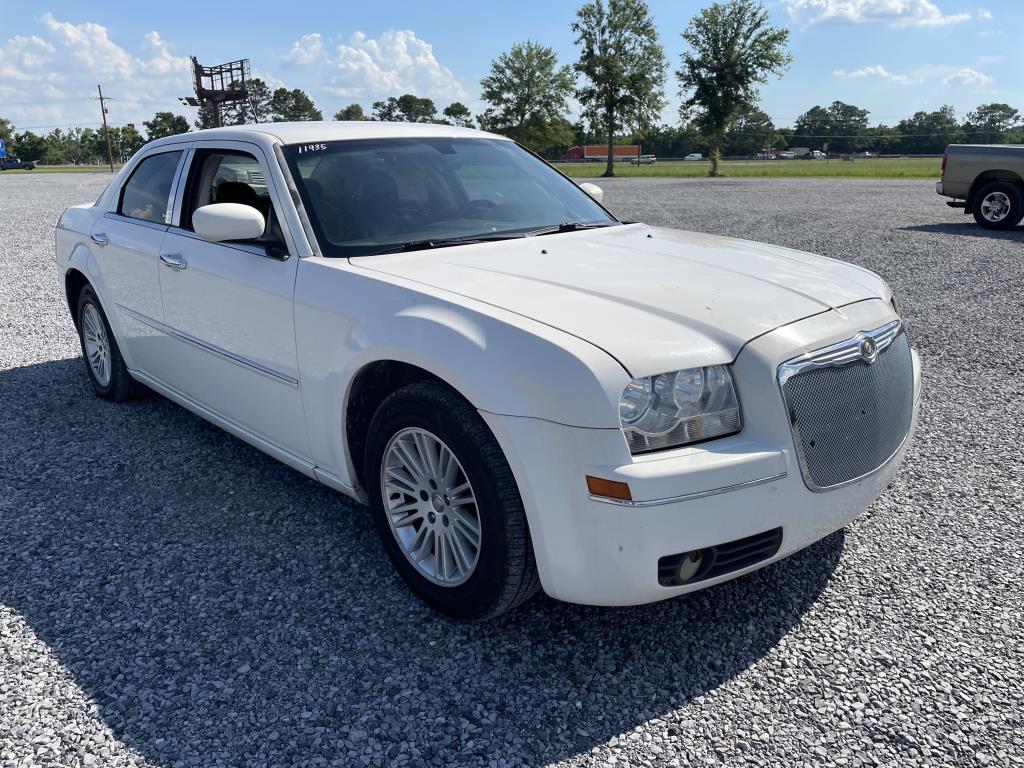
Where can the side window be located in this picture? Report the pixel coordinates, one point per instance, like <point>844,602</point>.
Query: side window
<point>226,176</point>
<point>146,194</point>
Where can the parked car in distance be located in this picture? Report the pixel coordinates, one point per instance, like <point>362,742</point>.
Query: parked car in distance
<point>787,155</point>
<point>694,156</point>
<point>645,160</point>
<point>986,180</point>
<point>14,164</point>
<point>816,154</point>
<point>526,391</point>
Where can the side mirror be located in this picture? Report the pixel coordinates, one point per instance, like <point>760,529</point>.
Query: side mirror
<point>228,221</point>
<point>593,190</point>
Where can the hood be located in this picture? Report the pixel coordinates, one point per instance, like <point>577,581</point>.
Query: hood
<point>655,299</point>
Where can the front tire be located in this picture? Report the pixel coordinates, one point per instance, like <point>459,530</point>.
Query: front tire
<point>446,506</point>
<point>103,362</point>
<point>999,205</point>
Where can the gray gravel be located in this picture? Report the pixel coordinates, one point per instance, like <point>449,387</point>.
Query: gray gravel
<point>170,596</point>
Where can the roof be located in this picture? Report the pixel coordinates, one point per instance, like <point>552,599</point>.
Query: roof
<point>333,130</point>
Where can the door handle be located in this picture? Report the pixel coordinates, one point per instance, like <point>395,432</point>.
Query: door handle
<point>173,260</point>
<point>99,238</point>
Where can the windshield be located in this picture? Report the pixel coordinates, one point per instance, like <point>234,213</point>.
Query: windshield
<point>369,196</point>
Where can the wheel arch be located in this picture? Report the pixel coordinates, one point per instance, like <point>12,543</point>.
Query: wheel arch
<point>369,387</point>
<point>988,176</point>
<point>74,281</point>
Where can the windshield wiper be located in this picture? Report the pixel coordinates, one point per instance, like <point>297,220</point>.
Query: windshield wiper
<point>441,242</point>
<point>566,226</point>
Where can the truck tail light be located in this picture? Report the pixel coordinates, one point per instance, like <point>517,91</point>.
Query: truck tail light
<point>943,171</point>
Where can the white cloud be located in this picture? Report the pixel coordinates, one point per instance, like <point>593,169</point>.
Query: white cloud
<point>895,13</point>
<point>969,78</point>
<point>984,13</point>
<point>49,79</point>
<point>306,49</point>
<point>876,71</point>
<point>367,68</point>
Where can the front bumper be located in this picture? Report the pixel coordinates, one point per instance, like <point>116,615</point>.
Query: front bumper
<point>595,552</point>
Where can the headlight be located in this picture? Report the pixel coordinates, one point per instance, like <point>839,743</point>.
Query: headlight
<point>678,408</point>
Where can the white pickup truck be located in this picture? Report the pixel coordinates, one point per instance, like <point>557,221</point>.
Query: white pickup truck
<point>986,180</point>
<point>526,391</point>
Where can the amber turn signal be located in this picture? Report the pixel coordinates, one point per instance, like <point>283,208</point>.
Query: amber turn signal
<point>610,489</point>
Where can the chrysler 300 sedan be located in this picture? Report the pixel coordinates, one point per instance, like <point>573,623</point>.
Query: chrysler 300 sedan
<point>527,392</point>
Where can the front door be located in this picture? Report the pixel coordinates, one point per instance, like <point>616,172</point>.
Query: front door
<point>228,306</point>
<point>127,241</point>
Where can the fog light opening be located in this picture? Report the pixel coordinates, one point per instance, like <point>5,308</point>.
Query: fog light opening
<point>690,565</point>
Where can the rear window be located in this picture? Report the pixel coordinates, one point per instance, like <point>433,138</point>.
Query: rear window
<point>146,195</point>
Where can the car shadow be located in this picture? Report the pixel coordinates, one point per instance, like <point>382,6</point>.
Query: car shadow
<point>968,229</point>
<point>210,601</point>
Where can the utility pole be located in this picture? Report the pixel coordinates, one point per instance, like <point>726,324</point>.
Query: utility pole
<point>106,131</point>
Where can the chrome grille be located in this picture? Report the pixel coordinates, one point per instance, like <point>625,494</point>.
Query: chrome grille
<point>850,416</point>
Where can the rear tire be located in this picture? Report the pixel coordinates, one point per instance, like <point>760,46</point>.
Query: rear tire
<point>418,522</point>
<point>103,362</point>
<point>999,205</point>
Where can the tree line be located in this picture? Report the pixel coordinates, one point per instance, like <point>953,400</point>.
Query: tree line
<point>619,81</point>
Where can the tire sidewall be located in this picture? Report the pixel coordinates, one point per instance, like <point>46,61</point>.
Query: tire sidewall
<point>465,600</point>
<point>1013,192</point>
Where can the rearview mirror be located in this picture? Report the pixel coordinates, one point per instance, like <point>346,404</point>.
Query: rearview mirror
<point>593,190</point>
<point>228,221</point>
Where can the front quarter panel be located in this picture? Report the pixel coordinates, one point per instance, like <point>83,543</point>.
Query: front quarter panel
<point>347,318</point>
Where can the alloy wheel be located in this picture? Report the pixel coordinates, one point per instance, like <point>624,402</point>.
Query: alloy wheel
<point>97,345</point>
<point>431,507</point>
<point>995,206</point>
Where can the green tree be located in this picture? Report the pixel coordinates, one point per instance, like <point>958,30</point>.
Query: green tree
<point>458,113</point>
<point>415,109</point>
<point>125,141</point>
<point>842,127</point>
<point>353,112</point>
<point>930,132</point>
<point>387,110</point>
<point>165,124</point>
<point>527,92</point>
<point>623,66</point>
<point>6,130</point>
<point>293,105</point>
<point>28,146</point>
<point>733,48</point>
<point>992,124</point>
<point>751,132</point>
<point>407,108</point>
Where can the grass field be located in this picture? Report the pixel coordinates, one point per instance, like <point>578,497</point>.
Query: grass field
<point>861,168</point>
<point>68,169</point>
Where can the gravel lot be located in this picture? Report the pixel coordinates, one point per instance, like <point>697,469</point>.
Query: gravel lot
<point>171,597</point>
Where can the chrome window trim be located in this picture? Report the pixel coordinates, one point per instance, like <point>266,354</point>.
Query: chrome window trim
<point>212,348</point>
<point>138,222</point>
<point>689,496</point>
<point>839,354</point>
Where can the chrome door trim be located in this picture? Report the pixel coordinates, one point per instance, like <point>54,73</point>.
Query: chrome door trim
<point>140,222</point>
<point>689,496</point>
<point>211,348</point>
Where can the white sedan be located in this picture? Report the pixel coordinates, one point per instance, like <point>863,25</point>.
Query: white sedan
<point>694,156</point>
<point>527,392</point>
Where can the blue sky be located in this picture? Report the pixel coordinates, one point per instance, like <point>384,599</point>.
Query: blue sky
<point>892,57</point>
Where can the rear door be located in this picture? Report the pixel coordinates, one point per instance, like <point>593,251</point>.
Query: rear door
<point>228,306</point>
<point>126,246</point>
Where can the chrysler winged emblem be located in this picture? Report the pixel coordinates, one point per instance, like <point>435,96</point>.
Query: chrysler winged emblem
<point>868,351</point>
